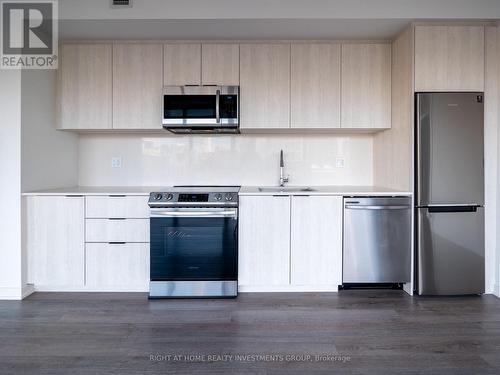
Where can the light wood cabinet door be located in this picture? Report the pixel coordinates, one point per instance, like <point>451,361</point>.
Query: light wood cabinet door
<point>137,86</point>
<point>121,230</point>
<point>316,241</point>
<point>315,86</point>
<point>117,206</point>
<point>119,266</point>
<point>85,86</point>
<point>264,241</point>
<point>181,64</point>
<point>449,58</point>
<point>265,85</point>
<point>366,86</point>
<point>55,241</point>
<point>220,64</point>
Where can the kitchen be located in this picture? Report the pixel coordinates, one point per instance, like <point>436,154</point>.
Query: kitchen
<point>278,171</point>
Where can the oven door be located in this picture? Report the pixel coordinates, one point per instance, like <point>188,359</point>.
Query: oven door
<point>189,244</point>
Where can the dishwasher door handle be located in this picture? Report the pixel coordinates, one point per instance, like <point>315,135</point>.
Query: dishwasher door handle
<point>405,207</point>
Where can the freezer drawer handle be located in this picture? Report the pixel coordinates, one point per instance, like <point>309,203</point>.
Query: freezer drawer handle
<point>443,209</point>
<point>377,207</point>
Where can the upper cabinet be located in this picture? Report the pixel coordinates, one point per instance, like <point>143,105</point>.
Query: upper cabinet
<point>283,86</point>
<point>85,86</point>
<point>182,64</point>
<point>265,85</point>
<point>449,58</point>
<point>137,86</point>
<point>366,86</point>
<point>220,64</point>
<point>315,85</point>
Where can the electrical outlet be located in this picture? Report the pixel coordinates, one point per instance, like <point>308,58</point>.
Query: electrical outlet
<point>116,162</point>
<point>340,162</point>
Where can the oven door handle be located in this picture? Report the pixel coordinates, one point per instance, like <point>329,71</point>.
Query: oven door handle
<point>163,213</point>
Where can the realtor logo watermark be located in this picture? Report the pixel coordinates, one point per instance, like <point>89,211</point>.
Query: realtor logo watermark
<point>29,34</point>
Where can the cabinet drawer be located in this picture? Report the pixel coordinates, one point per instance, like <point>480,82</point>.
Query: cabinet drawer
<point>117,265</point>
<point>120,206</point>
<point>123,230</point>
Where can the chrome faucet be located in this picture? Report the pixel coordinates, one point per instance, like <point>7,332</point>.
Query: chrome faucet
<point>283,179</point>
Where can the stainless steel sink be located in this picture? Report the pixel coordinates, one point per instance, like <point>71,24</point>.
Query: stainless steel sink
<point>285,189</point>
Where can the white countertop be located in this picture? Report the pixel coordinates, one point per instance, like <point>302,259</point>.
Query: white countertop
<point>98,190</point>
<point>328,190</point>
<point>245,190</point>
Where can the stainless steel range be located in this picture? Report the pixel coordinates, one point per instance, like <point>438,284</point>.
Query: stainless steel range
<point>194,242</point>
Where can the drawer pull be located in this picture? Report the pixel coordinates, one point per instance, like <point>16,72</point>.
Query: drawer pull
<point>116,243</point>
<point>116,218</point>
<point>117,196</point>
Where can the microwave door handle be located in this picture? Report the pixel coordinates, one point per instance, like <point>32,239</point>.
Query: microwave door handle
<point>217,108</point>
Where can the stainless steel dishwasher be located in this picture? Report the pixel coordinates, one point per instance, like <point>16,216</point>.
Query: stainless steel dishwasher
<point>377,240</point>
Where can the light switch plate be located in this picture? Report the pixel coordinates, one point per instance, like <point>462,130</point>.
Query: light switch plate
<point>116,162</point>
<point>340,162</point>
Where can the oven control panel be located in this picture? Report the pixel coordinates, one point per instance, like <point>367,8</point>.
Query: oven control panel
<point>180,198</point>
<point>193,198</point>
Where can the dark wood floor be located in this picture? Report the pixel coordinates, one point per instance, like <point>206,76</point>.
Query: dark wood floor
<point>370,332</point>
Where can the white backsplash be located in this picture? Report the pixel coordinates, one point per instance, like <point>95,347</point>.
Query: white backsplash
<point>239,160</point>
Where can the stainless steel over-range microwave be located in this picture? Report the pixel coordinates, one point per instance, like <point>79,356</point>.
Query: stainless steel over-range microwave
<point>201,109</point>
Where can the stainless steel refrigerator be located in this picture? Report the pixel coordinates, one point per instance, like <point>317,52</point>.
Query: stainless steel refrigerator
<point>449,188</point>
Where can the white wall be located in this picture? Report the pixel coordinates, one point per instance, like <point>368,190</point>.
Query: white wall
<point>10,184</point>
<point>496,189</point>
<point>49,157</point>
<point>239,160</point>
<point>491,155</point>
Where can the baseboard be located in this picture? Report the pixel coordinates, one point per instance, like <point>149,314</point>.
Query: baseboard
<point>143,289</point>
<point>496,290</point>
<point>9,293</point>
<point>27,290</point>
<point>286,288</point>
<point>96,289</point>
<point>408,288</point>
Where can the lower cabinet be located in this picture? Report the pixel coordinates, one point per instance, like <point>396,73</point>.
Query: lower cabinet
<point>112,230</point>
<point>290,243</point>
<point>264,241</point>
<point>316,241</point>
<point>55,241</point>
<point>117,266</point>
<point>286,243</point>
<point>68,251</point>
